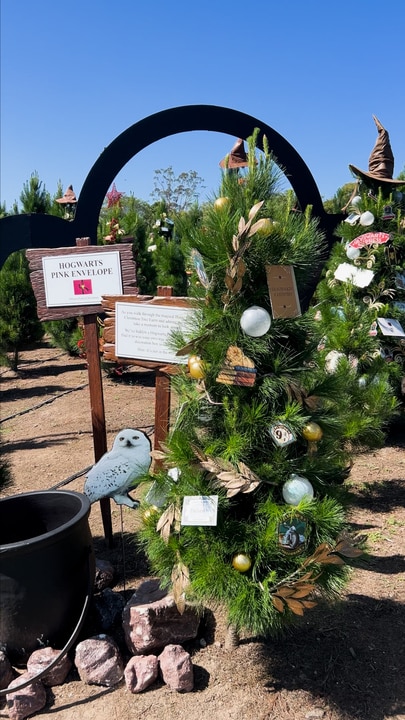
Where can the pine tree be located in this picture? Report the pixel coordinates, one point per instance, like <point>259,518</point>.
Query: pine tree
<point>260,428</point>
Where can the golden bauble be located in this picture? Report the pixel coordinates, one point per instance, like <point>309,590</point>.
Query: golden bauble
<point>221,202</point>
<point>241,562</point>
<point>152,510</point>
<point>267,226</point>
<point>196,367</point>
<point>312,432</point>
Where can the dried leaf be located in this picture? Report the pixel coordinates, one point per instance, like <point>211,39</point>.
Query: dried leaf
<point>295,606</point>
<point>333,560</point>
<point>235,243</point>
<point>180,580</point>
<point>165,522</point>
<point>303,592</point>
<point>237,286</point>
<point>252,486</point>
<point>309,603</point>
<point>278,604</point>
<point>285,591</point>
<point>229,282</point>
<point>248,473</point>
<point>347,549</point>
<point>255,209</point>
<point>241,267</point>
<point>231,479</point>
<point>241,225</point>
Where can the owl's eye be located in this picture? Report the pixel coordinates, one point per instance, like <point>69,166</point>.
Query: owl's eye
<point>135,437</point>
<point>122,438</point>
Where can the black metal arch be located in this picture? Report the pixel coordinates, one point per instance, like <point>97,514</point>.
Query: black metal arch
<point>24,231</point>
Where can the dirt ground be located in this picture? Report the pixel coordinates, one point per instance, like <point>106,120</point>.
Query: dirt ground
<point>342,662</point>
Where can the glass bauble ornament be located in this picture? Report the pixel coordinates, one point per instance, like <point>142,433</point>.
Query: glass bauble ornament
<point>296,488</point>
<point>352,253</point>
<point>255,321</point>
<point>196,367</point>
<point>241,562</point>
<point>312,432</point>
<point>221,202</point>
<point>356,201</point>
<point>366,218</point>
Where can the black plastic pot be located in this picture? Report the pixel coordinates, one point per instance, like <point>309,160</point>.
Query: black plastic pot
<point>46,570</point>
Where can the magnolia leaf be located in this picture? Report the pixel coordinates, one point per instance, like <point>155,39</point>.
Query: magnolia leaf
<point>257,226</point>
<point>235,243</point>
<point>278,604</point>
<point>180,580</point>
<point>333,560</point>
<point>285,591</point>
<point>248,473</point>
<point>237,286</point>
<point>347,549</point>
<point>230,477</point>
<point>241,225</point>
<point>303,592</point>
<point>241,267</point>
<point>252,486</point>
<point>232,493</point>
<point>165,522</point>
<point>255,209</point>
<point>309,603</point>
<point>295,606</point>
<point>229,281</point>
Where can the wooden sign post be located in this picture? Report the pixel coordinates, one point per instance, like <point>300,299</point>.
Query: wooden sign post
<point>136,331</point>
<point>67,283</point>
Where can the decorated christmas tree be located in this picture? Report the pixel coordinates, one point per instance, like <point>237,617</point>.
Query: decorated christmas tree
<point>246,508</point>
<point>361,298</point>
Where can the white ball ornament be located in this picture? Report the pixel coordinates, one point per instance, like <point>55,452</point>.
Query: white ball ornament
<point>296,488</point>
<point>366,218</point>
<point>356,201</point>
<point>255,321</point>
<point>352,253</point>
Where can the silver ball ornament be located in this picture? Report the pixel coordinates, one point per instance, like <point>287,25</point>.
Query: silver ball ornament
<point>255,321</point>
<point>296,488</point>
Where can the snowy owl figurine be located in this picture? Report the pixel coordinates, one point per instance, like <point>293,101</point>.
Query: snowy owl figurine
<point>116,471</point>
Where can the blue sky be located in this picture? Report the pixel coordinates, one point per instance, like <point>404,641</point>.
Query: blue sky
<point>74,75</point>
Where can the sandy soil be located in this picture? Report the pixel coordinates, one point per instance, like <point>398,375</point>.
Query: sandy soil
<point>344,662</point>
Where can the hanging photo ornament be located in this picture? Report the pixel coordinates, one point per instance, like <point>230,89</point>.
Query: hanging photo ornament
<point>282,434</point>
<point>237,368</point>
<point>241,562</point>
<point>296,488</point>
<point>292,535</point>
<point>255,321</point>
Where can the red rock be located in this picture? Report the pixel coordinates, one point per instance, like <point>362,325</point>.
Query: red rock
<point>99,662</point>
<point>151,620</point>
<point>28,700</point>
<point>40,659</point>
<point>176,668</point>
<point>140,672</point>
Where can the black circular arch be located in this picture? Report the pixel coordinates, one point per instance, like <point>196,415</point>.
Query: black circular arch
<point>185,119</point>
<point>36,230</point>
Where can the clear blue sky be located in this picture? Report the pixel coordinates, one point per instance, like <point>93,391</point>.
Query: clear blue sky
<point>74,75</point>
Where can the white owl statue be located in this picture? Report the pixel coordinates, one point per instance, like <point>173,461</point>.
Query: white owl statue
<point>117,471</point>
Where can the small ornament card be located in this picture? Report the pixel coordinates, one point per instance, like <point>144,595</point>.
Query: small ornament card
<point>388,326</point>
<point>282,434</point>
<point>283,291</point>
<point>199,510</point>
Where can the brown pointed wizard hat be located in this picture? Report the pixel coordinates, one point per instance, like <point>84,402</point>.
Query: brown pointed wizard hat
<point>69,198</point>
<point>237,158</point>
<point>380,163</point>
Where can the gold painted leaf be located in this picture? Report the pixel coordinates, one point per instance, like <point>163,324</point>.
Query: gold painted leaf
<point>255,209</point>
<point>180,580</point>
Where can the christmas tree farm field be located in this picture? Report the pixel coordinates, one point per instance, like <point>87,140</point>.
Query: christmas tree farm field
<point>341,660</point>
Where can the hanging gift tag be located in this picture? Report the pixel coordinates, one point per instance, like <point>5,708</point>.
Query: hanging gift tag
<point>292,535</point>
<point>199,510</point>
<point>282,434</point>
<point>283,291</point>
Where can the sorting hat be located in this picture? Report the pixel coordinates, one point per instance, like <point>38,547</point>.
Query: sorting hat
<point>237,158</point>
<point>69,198</point>
<point>380,163</point>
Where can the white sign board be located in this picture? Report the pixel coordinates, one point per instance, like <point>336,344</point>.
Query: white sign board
<point>81,279</point>
<point>142,331</point>
<point>199,510</point>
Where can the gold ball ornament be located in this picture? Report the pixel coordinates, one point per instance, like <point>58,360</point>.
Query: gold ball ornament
<point>221,202</point>
<point>152,510</point>
<point>241,562</point>
<point>312,432</point>
<point>266,227</point>
<point>196,367</point>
